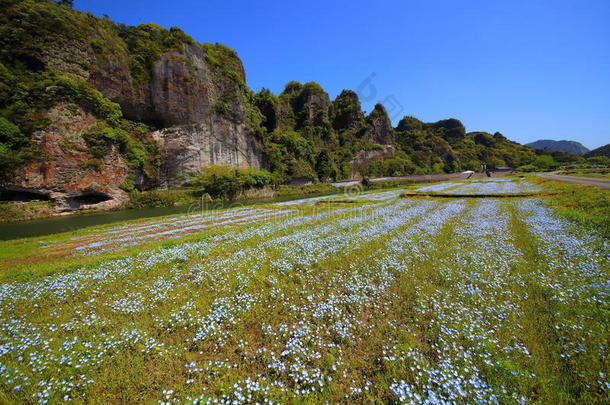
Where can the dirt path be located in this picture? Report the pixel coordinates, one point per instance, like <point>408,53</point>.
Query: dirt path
<point>589,181</point>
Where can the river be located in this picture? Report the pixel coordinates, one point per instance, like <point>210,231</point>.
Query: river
<point>67,223</point>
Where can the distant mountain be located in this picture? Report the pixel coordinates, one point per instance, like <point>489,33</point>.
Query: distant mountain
<point>566,146</point>
<point>601,151</point>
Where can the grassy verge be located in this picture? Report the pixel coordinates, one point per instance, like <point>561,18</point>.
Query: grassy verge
<point>25,211</point>
<point>586,205</point>
<point>601,172</point>
<point>161,198</point>
<point>594,175</point>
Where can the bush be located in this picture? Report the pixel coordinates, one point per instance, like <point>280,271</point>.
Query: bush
<point>544,162</point>
<point>150,199</point>
<point>391,167</point>
<point>527,168</point>
<point>98,44</point>
<point>223,181</point>
<point>147,42</point>
<point>10,133</point>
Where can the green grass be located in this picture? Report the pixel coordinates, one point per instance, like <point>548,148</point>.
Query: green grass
<point>25,211</point>
<point>586,205</point>
<point>443,285</point>
<point>594,175</point>
<point>600,172</point>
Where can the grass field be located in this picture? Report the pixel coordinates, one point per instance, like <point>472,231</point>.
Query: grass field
<point>353,298</point>
<point>601,173</point>
<point>595,175</point>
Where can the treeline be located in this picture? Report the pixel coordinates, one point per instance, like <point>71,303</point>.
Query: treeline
<point>307,135</point>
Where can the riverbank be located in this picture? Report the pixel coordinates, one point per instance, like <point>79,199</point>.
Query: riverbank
<point>18,212</point>
<point>179,200</point>
<point>72,222</point>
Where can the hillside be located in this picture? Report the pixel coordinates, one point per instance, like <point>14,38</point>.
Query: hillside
<point>565,146</point>
<point>601,151</point>
<point>91,109</point>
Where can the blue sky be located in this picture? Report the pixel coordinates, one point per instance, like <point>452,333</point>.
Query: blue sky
<point>529,69</point>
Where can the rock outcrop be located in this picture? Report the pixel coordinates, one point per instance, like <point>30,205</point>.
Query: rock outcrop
<point>182,88</point>
<point>363,159</point>
<point>68,174</point>
<point>346,111</point>
<point>379,127</point>
<point>196,105</point>
<point>199,109</point>
<point>185,149</point>
<point>313,104</point>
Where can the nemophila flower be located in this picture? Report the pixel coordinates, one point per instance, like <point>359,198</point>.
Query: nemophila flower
<point>127,236</point>
<point>496,186</point>
<point>280,311</point>
<point>436,187</point>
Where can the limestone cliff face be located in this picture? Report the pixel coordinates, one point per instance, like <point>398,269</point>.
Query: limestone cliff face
<point>199,109</point>
<point>379,130</point>
<point>182,88</point>
<point>68,173</point>
<point>185,149</point>
<point>363,158</point>
<point>197,106</point>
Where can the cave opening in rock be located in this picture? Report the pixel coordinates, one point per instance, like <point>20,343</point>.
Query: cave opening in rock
<point>22,196</point>
<point>90,198</point>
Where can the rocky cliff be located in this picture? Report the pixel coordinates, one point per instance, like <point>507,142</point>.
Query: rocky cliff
<point>70,175</point>
<point>191,97</point>
<point>379,127</point>
<point>186,149</point>
<point>195,97</point>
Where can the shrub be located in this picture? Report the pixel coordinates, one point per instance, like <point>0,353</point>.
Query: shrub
<point>10,134</point>
<point>150,199</point>
<point>391,167</point>
<point>93,164</point>
<point>527,168</point>
<point>223,181</point>
<point>544,162</point>
<point>98,44</point>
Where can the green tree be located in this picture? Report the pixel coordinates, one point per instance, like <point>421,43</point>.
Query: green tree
<point>224,181</point>
<point>69,3</point>
<point>544,162</point>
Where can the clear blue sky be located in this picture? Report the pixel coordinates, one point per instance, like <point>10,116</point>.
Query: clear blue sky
<point>529,69</point>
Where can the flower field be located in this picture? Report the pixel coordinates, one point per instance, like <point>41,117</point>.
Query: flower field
<point>357,298</point>
<point>483,186</point>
